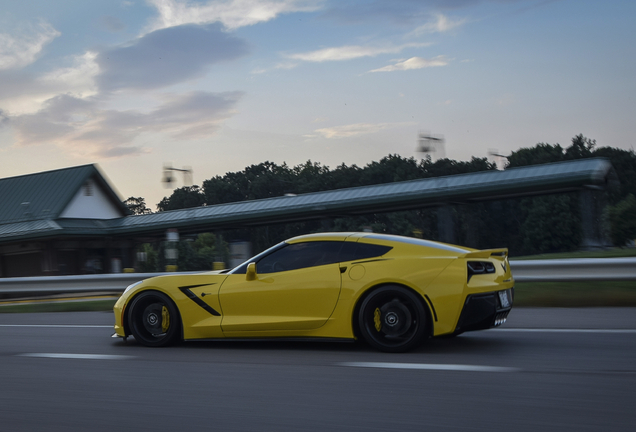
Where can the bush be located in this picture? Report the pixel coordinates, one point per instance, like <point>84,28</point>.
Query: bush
<point>623,221</point>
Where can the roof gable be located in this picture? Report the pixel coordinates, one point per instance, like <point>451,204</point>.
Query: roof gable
<point>46,195</point>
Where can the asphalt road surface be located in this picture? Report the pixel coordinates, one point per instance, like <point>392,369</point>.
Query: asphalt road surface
<point>545,370</point>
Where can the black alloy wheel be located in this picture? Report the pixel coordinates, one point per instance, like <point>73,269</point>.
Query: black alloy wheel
<point>153,319</point>
<point>392,319</point>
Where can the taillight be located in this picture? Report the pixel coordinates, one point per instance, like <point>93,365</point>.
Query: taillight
<point>479,267</point>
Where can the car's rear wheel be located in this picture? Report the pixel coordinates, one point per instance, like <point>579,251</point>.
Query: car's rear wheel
<point>154,319</point>
<point>392,319</point>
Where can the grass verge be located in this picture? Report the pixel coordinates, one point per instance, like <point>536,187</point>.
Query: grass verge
<point>60,306</point>
<point>609,253</point>
<point>575,294</point>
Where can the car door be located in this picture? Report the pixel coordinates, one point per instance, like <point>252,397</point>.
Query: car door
<point>296,288</point>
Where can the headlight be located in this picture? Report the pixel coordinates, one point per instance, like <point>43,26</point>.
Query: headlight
<point>132,285</point>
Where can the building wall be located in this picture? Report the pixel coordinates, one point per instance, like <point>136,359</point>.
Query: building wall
<point>91,202</point>
<point>59,257</point>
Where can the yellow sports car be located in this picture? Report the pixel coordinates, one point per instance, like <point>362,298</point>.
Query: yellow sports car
<point>391,291</point>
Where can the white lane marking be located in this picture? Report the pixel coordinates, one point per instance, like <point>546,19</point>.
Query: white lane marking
<point>56,326</point>
<point>77,356</point>
<point>423,366</point>
<point>533,330</point>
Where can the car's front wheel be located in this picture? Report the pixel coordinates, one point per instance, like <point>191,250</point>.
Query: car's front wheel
<point>153,319</point>
<point>392,319</point>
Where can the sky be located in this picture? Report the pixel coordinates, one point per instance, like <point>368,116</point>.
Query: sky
<point>216,86</point>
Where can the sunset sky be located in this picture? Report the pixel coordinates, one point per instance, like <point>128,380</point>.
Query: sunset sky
<point>221,85</point>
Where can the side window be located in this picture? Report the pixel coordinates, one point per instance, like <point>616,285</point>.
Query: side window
<point>356,251</point>
<point>300,255</point>
<point>242,269</point>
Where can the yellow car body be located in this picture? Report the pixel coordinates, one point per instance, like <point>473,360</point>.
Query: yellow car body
<point>390,290</point>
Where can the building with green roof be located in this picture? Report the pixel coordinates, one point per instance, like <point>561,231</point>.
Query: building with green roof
<point>71,221</point>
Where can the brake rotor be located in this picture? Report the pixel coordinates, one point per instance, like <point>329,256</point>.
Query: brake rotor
<point>396,318</point>
<point>152,318</point>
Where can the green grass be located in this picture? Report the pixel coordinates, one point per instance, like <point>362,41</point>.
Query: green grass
<point>609,253</point>
<point>575,294</point>
<point>61,306</point>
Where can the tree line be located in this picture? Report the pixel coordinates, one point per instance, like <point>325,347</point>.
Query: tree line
<point>531,225</point>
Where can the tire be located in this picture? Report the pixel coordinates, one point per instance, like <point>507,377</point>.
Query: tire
<point>154,319</point>
<point>392,319</point>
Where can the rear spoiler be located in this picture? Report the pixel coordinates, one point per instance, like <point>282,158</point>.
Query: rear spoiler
<point>487,253</point>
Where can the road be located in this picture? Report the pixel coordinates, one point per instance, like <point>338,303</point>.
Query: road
<point>545,370</point>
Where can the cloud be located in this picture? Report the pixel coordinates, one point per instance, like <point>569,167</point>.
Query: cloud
<point>414,63</point>
<point>231,13</point>
<point>112,23</point>
<point>278,66</point>
<point>77,79</point>
<point>195,114</point>
<point>22,49</point>
<point>4,118</point>
<point>441,24</point>
<point>285,65</point>
<point>165,57</point>
<point>350,52</point>
<point>52,122</point>
<point>13,84</point>
<point>22,92</point>
<point>351,130</point>
<point>84,129</point>
<point>156,60</point>
<point>401,12</point>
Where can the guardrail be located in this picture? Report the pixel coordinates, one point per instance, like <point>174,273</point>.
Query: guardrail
<point>573,270</point>
<point>558,270</point>
<point>48,285</point>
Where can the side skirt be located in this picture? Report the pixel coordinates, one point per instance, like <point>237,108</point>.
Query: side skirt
<point>276,339</point>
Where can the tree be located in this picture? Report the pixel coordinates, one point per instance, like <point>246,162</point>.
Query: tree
<point>552,224</point>
<point>185,197</point>
<point>137,205</point>
<point>623,221</point>
<point>525,225</point>
<point>624,163</point>
<point>150,261</point>
<point>581,148</point>
<point>539,154</point>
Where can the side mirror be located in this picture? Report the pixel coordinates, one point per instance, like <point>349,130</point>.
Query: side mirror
<point>250,274</point>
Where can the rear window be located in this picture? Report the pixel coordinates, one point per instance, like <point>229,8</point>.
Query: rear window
<point>356,251</point>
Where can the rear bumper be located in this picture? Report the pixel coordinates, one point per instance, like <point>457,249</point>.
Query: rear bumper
<point>484,311</point>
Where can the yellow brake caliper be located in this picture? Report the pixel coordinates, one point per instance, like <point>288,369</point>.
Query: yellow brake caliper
<point>377,320</point>
<point>165,319</point>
